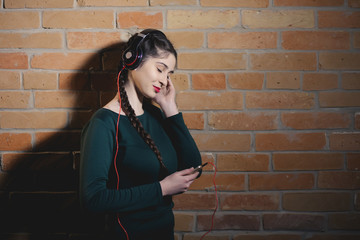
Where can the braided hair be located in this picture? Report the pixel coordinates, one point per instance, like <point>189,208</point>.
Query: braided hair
<point>155,45</point>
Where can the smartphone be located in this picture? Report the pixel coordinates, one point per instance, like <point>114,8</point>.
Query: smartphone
<point>198,168</point>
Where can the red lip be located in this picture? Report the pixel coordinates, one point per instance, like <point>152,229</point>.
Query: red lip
<point>157,89</point>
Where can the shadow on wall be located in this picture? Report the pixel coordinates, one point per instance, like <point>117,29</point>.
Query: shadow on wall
<point>39,187</point>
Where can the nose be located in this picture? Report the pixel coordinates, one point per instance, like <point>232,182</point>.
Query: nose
<point>163,81</point>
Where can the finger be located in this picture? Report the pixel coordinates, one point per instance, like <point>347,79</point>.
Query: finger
<point>186,171</point>
<point>170,84</point>
<point>193,176</point>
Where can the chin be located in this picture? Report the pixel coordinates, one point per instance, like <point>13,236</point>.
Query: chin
<point>150,96</point>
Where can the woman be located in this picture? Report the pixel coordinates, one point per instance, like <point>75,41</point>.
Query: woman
<point>134,156</point>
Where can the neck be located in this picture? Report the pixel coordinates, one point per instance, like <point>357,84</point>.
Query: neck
<point>135,98</point>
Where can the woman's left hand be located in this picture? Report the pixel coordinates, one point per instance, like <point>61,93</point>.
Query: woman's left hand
<point>166,99</point>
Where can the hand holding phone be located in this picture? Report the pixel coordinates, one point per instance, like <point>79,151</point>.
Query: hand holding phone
<point>198,168</point>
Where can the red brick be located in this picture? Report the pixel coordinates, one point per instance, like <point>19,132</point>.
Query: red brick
<point>65,99</point>
<point>78,19</point>
<point>180,81</point>
<point>31,40</point>
<point>242,40</point>
<point>194,201</point>
<point>250,201</point>
<point>290,61</point>
<point>345,141</point>
<point>15,141</point>
<point>57,141</point>
<point>308,3</point>
<point>281,181</point>
<point>66,61</point>
<point>320,81</point>
<point>279,100</point>
<point>339,99</point>
<point>185,19</point>
<point>210,60</point>
<point>317,202</point>
<point>184,39</point>
<point>357,121</point>
<point>39,4</point>
<point>278,19</point>
<point>344,221</point>
<point>289,221</point>
<point>19,20</point>
<point>78,119</point>
<point>223,142</point>
<point>74,81</point>
<point>243,162</point>
<point>194,120</point>
<point>184,222</point>
<point>339,19</point>
<point>354,3</point>
<point>106,97</point>
<point>242,121</point>
<point>36,162</point>
<point>280,236</point>
<point>235,3</point>
<point>350,81</point>
<point>315,120</point>
<point>103,81</point>
<point>110,60</point>
<point>339,61</point>
<point>15,99</point>
<point>250,81</point>
<point>307,161</point>
<point>9,80</point>
<point>229,222</point>
<point>334,236</point>
<point>208,81</point>
<point>173,2</point>
<point>209,100</point>
<point>209,158</point>
<point>283,80</point>
<point>33,120</point>
<point>290,141</point>
<point>224,182</point>
<point>146,19</point>
<point>313,40</point>
<point>356,37</point>
<point>353,161</point>
<point>13,60</point>
<point>112,3</point>
<point>196,236</point>
<point>92,40</point>
<point>339,180</point>
<point>40,80</point>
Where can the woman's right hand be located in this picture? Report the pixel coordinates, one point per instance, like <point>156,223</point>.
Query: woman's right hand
<point>178,182</point>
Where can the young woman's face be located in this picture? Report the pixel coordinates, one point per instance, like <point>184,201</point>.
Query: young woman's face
<point>153,74</point>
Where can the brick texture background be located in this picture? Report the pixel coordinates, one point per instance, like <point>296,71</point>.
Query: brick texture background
<point>269,88</point>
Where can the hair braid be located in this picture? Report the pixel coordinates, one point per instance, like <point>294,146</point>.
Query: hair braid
<point>135,122</point>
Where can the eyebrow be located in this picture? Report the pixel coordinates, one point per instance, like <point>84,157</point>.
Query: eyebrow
<point>166,66</point>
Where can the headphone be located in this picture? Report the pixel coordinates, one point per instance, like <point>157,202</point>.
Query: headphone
<point>133,55</point>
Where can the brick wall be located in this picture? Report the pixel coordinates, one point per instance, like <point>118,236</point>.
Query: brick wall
<point>269,88</point>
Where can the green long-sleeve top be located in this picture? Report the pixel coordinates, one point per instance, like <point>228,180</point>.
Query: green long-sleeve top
<point>139,201</point>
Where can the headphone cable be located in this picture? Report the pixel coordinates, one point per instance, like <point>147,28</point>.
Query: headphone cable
<point>117,150</point>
